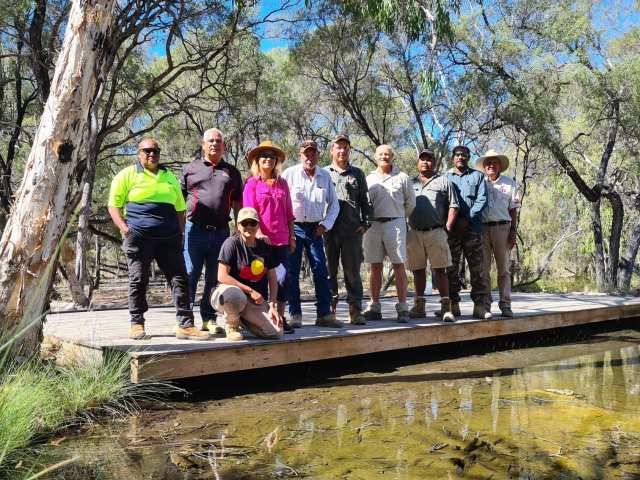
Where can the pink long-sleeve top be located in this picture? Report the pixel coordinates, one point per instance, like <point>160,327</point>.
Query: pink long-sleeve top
<point>272,201</point>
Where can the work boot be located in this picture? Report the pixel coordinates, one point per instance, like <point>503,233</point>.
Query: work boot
<point>445,309</point>
<point>373,311</point>
<point>191,333</point>
<point>212,327</point>
<point>334,304</point>
<point>355,316</point>
<point>296,320</point>
<point>328,320</point>
<point>506,311</point>
<point>403,312</point>
<point>136,332</point>
<point>481,312</point>
<point>455,309</point>
<point>418,309</point>
<point>233,334</point>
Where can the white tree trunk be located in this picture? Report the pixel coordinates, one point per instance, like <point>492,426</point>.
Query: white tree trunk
<point>46,199</point>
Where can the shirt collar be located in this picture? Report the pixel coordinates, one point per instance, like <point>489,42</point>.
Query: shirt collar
<point>140,168</point>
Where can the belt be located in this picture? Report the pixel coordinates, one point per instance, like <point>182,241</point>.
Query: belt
<point>428,229</point>
<point>384,219</point>
<point>207,227</point>
<point>306,224</point>
<point>499,222</point>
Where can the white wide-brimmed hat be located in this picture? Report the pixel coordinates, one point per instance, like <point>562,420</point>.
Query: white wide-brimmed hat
<point>503,159</point>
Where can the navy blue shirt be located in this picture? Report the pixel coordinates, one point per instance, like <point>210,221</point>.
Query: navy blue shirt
<point>472,195</point>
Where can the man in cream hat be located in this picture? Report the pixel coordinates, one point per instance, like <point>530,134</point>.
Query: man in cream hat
<point>500,223</point>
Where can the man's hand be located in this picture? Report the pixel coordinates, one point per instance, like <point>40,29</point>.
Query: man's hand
<point>361,229</point>
<point>124,230</point>
<point>274,315</point>
<point>511,239</point>
<point>256,297</point>
<point>449,226</point>
<point>320,230</point>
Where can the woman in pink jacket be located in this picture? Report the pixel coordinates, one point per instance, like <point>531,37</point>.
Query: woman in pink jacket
<point>269,194</point>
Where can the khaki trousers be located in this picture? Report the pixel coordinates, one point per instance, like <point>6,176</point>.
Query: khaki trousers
<point>495,245</point>
<point>237,309</point>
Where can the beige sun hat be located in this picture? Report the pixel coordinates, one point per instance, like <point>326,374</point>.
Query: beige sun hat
<point>503,159</point>
<point>266,145</point>
<point>248,213</point>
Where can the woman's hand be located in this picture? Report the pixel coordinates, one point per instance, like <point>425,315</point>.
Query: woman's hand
<point>263,237</point>
<point>256,297</point>
<point>274,315</point>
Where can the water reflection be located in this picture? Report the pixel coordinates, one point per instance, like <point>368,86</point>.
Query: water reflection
<point>568,418</point>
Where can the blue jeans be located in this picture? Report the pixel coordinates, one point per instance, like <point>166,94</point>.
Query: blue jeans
<point>314,247</point>
<point>201,249</point>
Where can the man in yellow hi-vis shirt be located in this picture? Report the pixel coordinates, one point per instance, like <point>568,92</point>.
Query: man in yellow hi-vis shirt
<point>147,206</point>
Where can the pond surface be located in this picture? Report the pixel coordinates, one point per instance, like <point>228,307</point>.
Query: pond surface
<point>561,412</point>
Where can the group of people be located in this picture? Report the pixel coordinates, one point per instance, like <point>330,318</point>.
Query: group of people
<point>337,215</point>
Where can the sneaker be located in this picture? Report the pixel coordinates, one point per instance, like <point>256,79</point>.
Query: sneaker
<point>403,313</point>
<point>136,332</point>
<point>296,320</point>
<point>191,333</point>
<point>373,311</point>
<point>480,312</point>
<point>328,320</point>
<point>212,327</point>
<point>355,316</point>
<point>286,328</point>
<point>418,309</point>
<point>507,312</point>
<point>233,334</point>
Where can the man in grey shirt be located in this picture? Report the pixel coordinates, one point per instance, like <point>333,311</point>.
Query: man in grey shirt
<point>343,242</point>
<point>435,214</point>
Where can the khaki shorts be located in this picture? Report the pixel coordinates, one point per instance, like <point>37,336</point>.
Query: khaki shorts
<point>386,238</point>
<point>431,245</point>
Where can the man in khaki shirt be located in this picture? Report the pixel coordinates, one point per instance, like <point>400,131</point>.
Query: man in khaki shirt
<point>393,200</point>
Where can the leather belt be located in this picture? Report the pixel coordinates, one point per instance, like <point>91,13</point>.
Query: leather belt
<point>428,229</point>
<point>500,222</point>
<point>384,219</point>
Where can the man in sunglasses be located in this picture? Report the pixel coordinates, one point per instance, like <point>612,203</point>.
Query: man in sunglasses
<point>212,188</point>
<point>147,206</point>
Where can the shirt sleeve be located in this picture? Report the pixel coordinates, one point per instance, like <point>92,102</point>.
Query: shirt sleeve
<point>409,197</point>
<point>453,197</point>
<point>228,252</point>
<point>236,195</point>
<point>271,260</point>
<point>364,201</point>
<point>333,207</point>
<point>179,204</point>
<point>287,199</point>
<point>183,181</point>
<point>119,190</point>
<point>249,193</point>
<point>481,200</point>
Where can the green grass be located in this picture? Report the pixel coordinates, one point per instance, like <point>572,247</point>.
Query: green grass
<point>37,399</point>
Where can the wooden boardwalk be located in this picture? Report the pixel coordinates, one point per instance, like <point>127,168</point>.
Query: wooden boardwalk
<point>164,357</point>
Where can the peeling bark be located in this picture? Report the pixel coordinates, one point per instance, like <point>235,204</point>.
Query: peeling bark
<point>47,198</point>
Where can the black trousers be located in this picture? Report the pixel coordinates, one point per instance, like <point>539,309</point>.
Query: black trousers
<point>167,252</point>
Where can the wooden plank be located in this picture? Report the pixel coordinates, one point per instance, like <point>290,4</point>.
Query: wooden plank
<point>252,356</point>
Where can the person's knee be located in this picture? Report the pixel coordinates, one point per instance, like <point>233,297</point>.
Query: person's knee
<point>231,300</point>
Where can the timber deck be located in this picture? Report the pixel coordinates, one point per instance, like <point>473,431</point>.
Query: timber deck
<point>164,357</point>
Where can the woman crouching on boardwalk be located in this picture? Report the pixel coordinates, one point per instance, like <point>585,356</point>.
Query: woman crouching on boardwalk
<point>269,194</point>
<point>246,279</point>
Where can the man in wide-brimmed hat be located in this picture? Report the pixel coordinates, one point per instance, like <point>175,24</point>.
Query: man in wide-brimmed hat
<point>500,223</point>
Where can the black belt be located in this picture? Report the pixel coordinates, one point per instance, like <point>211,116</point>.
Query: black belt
<point>306,224</point>
<point>500,222</point>
<point>384,219</point>
<point>428,229</point>
<point>208,227</point>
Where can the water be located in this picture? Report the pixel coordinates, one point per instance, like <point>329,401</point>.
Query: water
<point>561,412</point>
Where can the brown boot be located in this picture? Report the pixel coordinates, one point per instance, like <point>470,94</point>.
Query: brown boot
<point>418,309</point>
<point>355,316</point>
<point>455,309</point>
<point>191,333</point>
<point>447,315</point>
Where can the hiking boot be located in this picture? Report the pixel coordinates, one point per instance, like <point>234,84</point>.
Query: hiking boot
<point>481,312</point>
<point>136,332</point>
<point>355,316</point>
<point>403,312</point>
<point>328,320</point>
<point>445,309</point>
<point>191,333</point>
<point>455,309</point>
<point>233,334</point>
<point>212,327</point>
<point>373,311</point>
<point>296,320</point>
<point>286,328</point>
<point>506,312</point>
<point>418,309</point>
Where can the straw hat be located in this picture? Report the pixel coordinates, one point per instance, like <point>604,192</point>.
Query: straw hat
<point>502,159</point>
<point>267,145</point>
